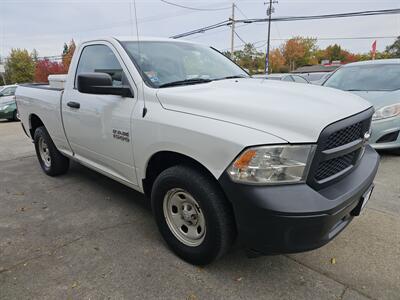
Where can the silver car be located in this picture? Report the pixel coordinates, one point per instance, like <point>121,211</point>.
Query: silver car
<point>377,81</point>
<point>283,77</point>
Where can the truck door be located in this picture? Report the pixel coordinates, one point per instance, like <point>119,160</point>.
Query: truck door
<point>99,130</point>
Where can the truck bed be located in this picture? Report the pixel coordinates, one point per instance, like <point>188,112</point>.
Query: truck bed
<point>43,86</point>
<point>42,101</point>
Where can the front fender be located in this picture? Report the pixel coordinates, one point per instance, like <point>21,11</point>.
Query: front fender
<point>212,143</point>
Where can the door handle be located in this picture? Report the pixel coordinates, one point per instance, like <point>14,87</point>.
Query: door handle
<point>74,104</point>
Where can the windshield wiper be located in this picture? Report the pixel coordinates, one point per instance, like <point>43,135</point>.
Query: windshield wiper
<point>185,82</point>
<point>232,77</point>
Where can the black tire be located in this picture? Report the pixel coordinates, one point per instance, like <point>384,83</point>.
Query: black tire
<point>58,164</point>
<point>220,229</point>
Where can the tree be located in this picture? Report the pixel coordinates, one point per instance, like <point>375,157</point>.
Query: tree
<point>68,52</point>
<point>45,67</point>
<point>65,49</point>
<point>35,55</point>
<point>394,49</point>
<point>20,66</point>
<point>350,57</point>
<point>293,51</point>
<point>334,52</point>
<point>277,62</point>
<point>310,47</point>
<point>249,58</point>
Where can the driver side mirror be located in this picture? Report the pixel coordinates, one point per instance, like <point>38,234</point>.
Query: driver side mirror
<point>101,84</point>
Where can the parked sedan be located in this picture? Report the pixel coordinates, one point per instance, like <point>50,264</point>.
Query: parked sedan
<point>321,81</point>
<point>378,82</point>
<point>315,77</point>
<point>283,77</point>
<point>8,106</point>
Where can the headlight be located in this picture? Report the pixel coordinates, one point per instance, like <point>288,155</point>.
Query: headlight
<point>387,112</point>
<point>4,107</point>
<point>272,164</point>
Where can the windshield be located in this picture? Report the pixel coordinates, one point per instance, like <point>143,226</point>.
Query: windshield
<point>163,63</point>
<point>373,77</point>
<point>315,76</point>
<point>8,91</point>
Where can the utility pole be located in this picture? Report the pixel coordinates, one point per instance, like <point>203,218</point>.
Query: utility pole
<point>233,31</point>
<point>270,10</point>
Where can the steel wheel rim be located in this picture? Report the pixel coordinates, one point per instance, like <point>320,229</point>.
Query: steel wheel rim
<point>44,152</point>
<point>184,217</point>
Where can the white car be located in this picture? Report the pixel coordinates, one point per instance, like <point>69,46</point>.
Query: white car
<point>282,167</point>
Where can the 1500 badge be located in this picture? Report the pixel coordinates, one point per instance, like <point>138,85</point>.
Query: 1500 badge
<point>121,135</point>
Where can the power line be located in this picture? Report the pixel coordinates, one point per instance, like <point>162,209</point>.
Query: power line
<point>239,37</point>
<point>241,11</point>
<point>203,29</point>
<point>288,19</point>
<point>194,8</point>
<point>215,32</point>
<point>328,16</point>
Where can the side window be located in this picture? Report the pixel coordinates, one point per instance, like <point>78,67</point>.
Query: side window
<point>288,78</point>
<point>101,59</point>
<point>299,79</point>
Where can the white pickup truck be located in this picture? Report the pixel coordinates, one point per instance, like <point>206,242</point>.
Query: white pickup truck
<point>282,167</point>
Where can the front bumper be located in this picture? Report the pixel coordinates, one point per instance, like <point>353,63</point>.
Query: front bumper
<point>385,133</point>
<point>296,218</point>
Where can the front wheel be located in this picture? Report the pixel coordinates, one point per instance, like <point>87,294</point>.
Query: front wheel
<point>51,160</point>
<point>192,214</point>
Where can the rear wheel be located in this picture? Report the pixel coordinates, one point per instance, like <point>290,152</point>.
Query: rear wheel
<point>192,214</point>
<point>51,160</point>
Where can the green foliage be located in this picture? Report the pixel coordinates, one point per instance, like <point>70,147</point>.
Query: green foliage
<point>302,51</point>
<point>334,52</point>
<point>251,59</point>
<point>68,52</point>
<point>393,50</point>
<point>35,55</point>
<point>20,67</point>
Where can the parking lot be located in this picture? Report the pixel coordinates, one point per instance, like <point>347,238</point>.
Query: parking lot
<point>84,236</point>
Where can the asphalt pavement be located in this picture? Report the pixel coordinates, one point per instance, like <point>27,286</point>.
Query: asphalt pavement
<point>84,236</point>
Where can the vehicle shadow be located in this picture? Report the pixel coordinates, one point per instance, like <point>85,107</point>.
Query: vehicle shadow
<point>8,121</point>
<point>389,153</point>
<point>129,199</point>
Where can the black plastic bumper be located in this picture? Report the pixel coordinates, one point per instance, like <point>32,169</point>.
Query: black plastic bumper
<point>296,218</point>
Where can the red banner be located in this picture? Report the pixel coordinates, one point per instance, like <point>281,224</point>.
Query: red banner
<point>373,52</point>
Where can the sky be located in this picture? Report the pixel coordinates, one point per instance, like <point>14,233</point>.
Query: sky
<point>46,24</point>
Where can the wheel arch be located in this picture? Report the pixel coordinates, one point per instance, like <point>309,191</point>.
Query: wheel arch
<point>34,123</point>
<point>163,160</point>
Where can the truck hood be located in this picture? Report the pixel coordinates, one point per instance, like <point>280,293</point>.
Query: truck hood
<point>294,112</point>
